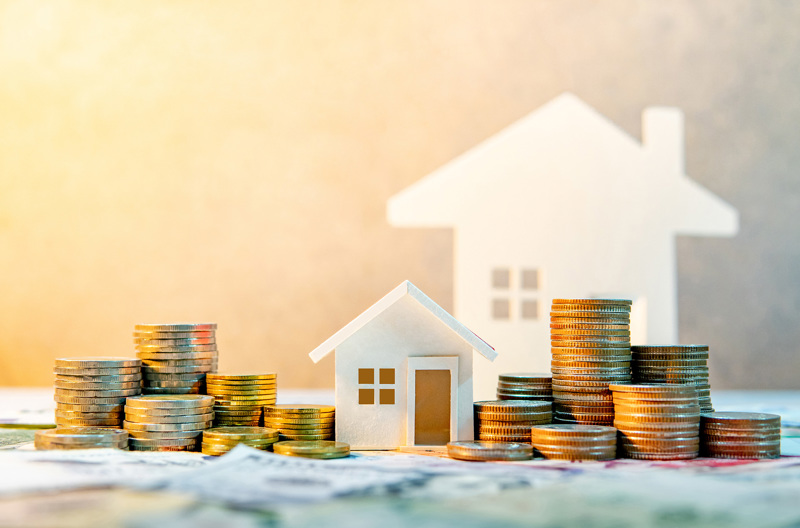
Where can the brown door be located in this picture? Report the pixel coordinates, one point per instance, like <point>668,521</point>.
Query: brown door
<point>432,407</point>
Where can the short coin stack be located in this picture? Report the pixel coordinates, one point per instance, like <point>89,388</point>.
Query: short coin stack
<point>80,438</point>
<point>740,435</point>
<point>685,364</point>
<point>176,357</point>
<point>312,449</point>
<point>590,342</point>
<point>168,423</point>
<point>219,440</point>
<point>490,451</point>
<point>240,398</point>
<point>301,422</point>
<point>657,422</point>
<point>510,420</point>
<point>574,441</point>
<point>525,386</point>
<point>91,391</point>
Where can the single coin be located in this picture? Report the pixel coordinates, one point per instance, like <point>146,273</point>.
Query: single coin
<point>193,426</point>
<point>304,409</point>
<point>145,418</point>
<point>613,302</point>
<point>660,349</point>
<point>488,451</point>
<point>167,442</point>
<point>199,334</point>
<point>80,434</point>
<point>590,307</point>
<point>89,400</point>
<point>587,353</point>
<point>165,435</point>
<point>120,378</point>
<point>254,393</point>
<point>175,327</point>
<point>590,318</point>
<point>154,391</point>
<point>305,437</point>
<point>238,377</point>
<point>174,384</point>
<point>195,377</point>
<point>742,419</point>
<point>172,401</point>
<point>525,377</point>
<point>78,422</point>
<point>168,411</point>
<point>94,394</point>
<point>188,357</point>
<point>189,341</point>
<point>312,449</point>
<point>511,406</point>
<point>80,386</point>
<point>239,433</point>
<point>180,349</point>
<point>149,372</point>
<point>92,372</point>
<point>98,362</point>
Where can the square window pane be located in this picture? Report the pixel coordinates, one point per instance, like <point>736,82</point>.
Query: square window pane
<point>366,396</point>
<point>501,278</point>
<point>386,376</point>
<point>501,309</point>
<point>387,396</point>
<point>366,376</point>
<point>529,279</point>
<point>530,309</point>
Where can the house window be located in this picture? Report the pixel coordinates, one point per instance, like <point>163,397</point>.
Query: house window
<point>385,387</point>
<point>515,294</point>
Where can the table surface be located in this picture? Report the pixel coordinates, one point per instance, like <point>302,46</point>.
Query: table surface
<point>699,493</point>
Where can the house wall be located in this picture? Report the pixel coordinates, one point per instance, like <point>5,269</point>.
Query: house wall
<point>405,329</point>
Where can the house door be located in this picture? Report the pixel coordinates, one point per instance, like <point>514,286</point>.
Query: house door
<point>432,400</point>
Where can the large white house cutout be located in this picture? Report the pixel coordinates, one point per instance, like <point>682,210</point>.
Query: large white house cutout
<point>403,374</point>
<point>563,203</point>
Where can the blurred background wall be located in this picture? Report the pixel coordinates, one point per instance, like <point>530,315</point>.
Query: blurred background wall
<point>231,161</point>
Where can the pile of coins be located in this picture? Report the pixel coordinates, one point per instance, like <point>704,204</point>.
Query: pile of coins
<point>490,451</point>
<point>685,364</point>
<point>574,442</point>
<point>525,386</point>
<point>312,449</point>
<point>219,440</point>
<point>301,422</point>
<point>657,422</point>
<point>590,340</point>
<point>91,391</point>
<point>240,398</point>
<point>168,423</point>
<point>80,438</point>
<point>176,357</point>
<point>510,420</point>
<point>740,435</point>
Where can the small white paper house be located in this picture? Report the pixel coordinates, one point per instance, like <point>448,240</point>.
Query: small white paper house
<point>403,374</point>
<point>563,203</point>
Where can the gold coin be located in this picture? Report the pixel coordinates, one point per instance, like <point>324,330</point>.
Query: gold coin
<point>175,327</point>
<point>189,334</point>
<point>321,449</point>
<point>599,302</point>
<point>147,418</point>
<point>305,437</point>
<point>98,362</point>
<point>171,401</point>
<point>223,377</point>
<point>166,427</point>
<point>167,442</point>
<point>239,433</point>
<point>175,349</point>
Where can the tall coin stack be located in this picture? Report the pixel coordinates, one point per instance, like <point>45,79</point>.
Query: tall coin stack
<point>590,342</point>
<point>657,422</point>
<point>91,391</point>
<point>685,364</point>
<point>176,357</point>
<point>301,422</point>
<point>525,386</point>
<point>240,398</point>
<point>740,435</point>
<point>510,420</point>
<point>168,423</point>
<point>574,441</point>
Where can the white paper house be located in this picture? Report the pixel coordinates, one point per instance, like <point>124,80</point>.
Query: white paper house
<point>403,374</point>
<point>563,203</point>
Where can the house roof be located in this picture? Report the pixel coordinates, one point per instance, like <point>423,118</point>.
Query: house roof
<point>406,289</point>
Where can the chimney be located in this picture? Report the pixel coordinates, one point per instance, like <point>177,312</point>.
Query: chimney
<point>662,136</point>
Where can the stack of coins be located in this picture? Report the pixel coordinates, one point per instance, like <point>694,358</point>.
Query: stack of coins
<point>740,435</point>
<point>312,449</point>
<point>684,364</point>
<point>574,441</point>
<point>525,386</point>
<point>91,391</point>
<point>490,451</point>
<point>219,440</point>
<point>657,422</point>
<point>590,340</point>
<point>241,397</point>
<point>510,420</point>
<point>300,421</point>
<point>176,357</point>
<point>80,438</point>
<point>168,423</point>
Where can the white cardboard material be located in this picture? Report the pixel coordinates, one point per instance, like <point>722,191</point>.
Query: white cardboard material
<point>568,198</point>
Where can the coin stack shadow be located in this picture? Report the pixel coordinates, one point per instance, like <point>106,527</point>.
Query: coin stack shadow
<point>219,440</point>
<point>590,343</point>
<point>525,386</point>
<point>301,421</point>
<point>240,398</point>
<point>176,357</point>
<point>574,442</point>
<point>740,435</point>
<point>168,422</point>
<point>80,438</point>
<point>510,420</point>
<point>91,391</point>
<point>684,364</point>
<point>657,422</point>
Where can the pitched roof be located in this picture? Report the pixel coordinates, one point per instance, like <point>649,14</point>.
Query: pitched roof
<point>404,289</point>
